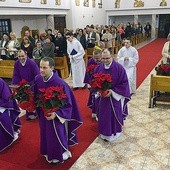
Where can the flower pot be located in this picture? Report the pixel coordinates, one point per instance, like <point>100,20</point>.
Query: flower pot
<point>46,111</point>
<point>103,92</point>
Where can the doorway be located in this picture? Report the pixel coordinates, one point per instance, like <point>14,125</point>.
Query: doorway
<point>164,25</point>
<point>60,23</point>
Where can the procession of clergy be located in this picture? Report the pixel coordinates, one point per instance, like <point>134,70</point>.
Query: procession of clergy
<point>62,124</point>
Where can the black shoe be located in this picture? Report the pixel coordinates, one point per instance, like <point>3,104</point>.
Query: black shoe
<point>84,87</point>
<point>105,140</point>
<point>55,163</point>
<point>75,88</point>
<point>28,118</point>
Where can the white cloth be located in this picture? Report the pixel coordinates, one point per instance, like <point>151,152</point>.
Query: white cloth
<point>2,109</point>
<point>130,66</point>
<point>77,62</point>
<point>165,53</point>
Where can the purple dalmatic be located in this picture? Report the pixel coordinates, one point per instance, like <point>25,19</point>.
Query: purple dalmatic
<point>58,134</point>
<point>91,101</point>
<point>87,77</point>
<point>28,71</point>
<point>112,110</point>
<point>9,117</point>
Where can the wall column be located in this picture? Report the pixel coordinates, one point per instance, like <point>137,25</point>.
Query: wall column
<point>50,22</point>
<point>154,25</point>
<point>136,19</point>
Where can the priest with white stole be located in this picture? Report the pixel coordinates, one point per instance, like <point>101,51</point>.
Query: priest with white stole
<point>128,57</point>
<point>76,53</point>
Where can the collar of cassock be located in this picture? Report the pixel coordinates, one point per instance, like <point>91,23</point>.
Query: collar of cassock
<point>48,77</point>
<point>107,66</point>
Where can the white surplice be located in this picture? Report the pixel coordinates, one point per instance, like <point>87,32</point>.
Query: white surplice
<point>77,62</point>
<point>130,66</point>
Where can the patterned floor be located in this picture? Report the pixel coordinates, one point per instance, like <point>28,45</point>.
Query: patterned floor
<point>143,145</point>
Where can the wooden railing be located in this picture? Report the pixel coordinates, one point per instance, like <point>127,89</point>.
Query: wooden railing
<point>6,68</point>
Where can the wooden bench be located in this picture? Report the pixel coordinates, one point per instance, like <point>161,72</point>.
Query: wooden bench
<point>62,66</point>
<point>90,52</point>
<point>115,48</point>
<point>159,84</point>
<point>85,58</point>
<point>6,68</point>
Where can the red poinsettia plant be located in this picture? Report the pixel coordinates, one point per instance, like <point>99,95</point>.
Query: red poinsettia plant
<point>163,69</point>
<point>101,82</point>
<point>24,95</point>
<point>51,99</point>
<point>90,69</point>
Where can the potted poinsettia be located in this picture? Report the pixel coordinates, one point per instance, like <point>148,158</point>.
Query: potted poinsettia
<point>163,69</point>
<point>90,69</point>
<point>101,83</point>
<point>24,96</point>
<point>51,99</point>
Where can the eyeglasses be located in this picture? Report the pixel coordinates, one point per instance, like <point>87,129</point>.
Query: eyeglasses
<point>106,58</point>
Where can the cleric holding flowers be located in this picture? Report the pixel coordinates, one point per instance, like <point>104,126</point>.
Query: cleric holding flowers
<point>27,69</point>
<point>91,65</point>
<point>9,117</point>
<point>58,129</point>
<point>112,115</point>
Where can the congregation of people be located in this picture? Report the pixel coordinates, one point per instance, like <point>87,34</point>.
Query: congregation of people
<point>34,62</point>
<point>53,42</point>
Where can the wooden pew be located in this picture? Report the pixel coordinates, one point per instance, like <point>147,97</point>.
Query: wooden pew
<point>90,52</point>
<point>158,84</point>
<point>62,66</point>
<point>6,68</point>
<point>116,47</point>
<point>85,58</point>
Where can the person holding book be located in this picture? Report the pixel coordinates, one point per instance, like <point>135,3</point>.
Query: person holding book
<point>58,126</point>
<point>76,53</point>
<point>9,117</point>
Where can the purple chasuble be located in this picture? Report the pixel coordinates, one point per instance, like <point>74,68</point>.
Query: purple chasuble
<point>91,101</point>
<point>27,72</point>
<point>87,78</point>
<point>109,110</point>
<point>9,118</point>
<point>54,138</point>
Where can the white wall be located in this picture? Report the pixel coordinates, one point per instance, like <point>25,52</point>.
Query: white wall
<point>129,4</point>
<point>33,22</point>
<point>36,4</point>
<point>82,16</point>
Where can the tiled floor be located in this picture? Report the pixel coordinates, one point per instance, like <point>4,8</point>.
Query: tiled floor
<point>143,145</point>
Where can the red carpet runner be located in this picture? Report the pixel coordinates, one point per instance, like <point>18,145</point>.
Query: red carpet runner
<point>149,56</point>
<point>24,154</point>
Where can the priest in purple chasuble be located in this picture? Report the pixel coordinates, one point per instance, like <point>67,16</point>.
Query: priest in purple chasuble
<point>25,68</point>
<point>112,108</point>
<point>58,129</point>
<point>91,65</point>
<point>9,117</point>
